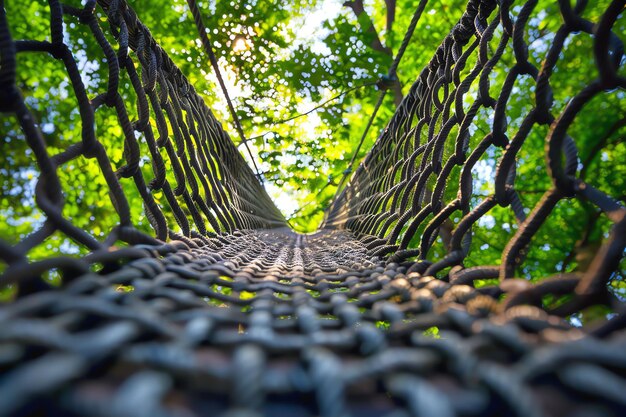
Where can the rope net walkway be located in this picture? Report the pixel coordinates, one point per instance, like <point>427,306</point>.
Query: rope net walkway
<point>224,310</point>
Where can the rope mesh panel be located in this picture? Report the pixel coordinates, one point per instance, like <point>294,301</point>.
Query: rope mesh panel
<point>422,170</point>
<point>212,187</point>
<point>381,312</point>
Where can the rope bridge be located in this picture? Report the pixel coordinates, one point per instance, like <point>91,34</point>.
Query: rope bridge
<point>222,309</point>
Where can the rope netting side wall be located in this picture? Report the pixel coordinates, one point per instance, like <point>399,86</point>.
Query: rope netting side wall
<point>174,147</point>
<point>430,185</point>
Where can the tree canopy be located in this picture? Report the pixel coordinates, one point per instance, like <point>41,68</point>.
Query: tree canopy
<point>303,76</point>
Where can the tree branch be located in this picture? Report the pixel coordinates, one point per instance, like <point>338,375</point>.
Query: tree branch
<point>367,25</point>
<point>391,13</point>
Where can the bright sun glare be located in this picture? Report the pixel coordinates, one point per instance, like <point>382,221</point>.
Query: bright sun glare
<point>306,30</point>
<point>240,44</point>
